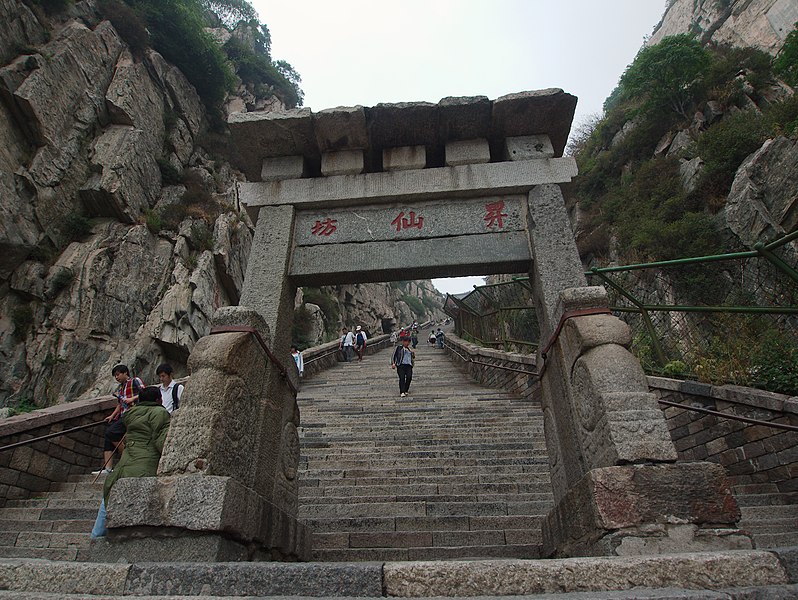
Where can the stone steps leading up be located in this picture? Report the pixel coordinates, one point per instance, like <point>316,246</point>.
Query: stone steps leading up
<point>452,471</point>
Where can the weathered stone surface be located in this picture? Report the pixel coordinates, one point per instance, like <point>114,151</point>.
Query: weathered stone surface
<point>446,182</point>
<point>463,118</point>
<point>79,59</point>
<point>133,100</point>
<point>643,501</point>
<point>401,221</point>
<point>462,255</point>
<point>127,179</point>
<point>342,128</point>
<point>467,152</point>
<point>618,421</point>
<point>681,141</point>
<point>232,240</point>
<point>402,124</point>
<point>763,24</point>
<point>21,29</point>
<point>528,147</point>
<point>266,135</point>
<point>404,158</point>
<point>690,171</point>
<point>182,96</point>
<point>258,579</point>
<point>342,162</point>
<point>555,258</point>
<point>514,577</point>
<point>282,167</point>
<point>758,208</point>
<point>549,111</point>
<point>66,578</point>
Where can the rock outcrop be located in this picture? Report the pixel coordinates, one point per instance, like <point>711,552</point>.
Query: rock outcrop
<point>120,229</point>
<point>762,24</point>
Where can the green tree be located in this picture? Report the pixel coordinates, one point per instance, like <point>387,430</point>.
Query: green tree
<point>785,65</point>
<point>666,75</point>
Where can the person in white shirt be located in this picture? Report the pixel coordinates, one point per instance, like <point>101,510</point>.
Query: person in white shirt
<point>347,344</point>
<point>170,389</point>
<point>360,342</point>
<point>298,360</point>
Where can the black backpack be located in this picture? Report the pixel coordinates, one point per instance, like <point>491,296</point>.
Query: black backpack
<point>175,401</point>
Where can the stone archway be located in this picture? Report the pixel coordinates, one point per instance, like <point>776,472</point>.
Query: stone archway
<point>409,191</point>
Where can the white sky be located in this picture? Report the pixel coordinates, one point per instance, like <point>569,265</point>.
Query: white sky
<point>351,52</point>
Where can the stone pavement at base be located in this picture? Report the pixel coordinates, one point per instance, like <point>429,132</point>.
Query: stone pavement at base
<point>735,575</point>
<point>453,470</point>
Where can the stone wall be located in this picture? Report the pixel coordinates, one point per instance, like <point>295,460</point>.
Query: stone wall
<point>752,454</point>
<point>325,356</point>
<point>516,373</point>
<point>29,469</point>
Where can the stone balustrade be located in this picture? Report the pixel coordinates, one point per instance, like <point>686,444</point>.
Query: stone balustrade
<point>325,356</point>
<point>516,373</point>
<point>30,469</point>
<point>752,454</point>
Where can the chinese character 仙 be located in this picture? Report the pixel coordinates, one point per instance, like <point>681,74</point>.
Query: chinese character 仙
<point>402,222</point>
<point>495,214</point>
<point>325,227</point>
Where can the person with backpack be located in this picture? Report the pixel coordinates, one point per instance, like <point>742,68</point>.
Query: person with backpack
<point>402,360</point>
<point>127,394</point>
<point>439,337</point>
<point>147,424</point>
<point>360,342</point>
<point>170,390</point>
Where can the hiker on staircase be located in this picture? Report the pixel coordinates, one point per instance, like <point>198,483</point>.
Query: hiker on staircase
<point>402,360</point>
<point>147,424</point>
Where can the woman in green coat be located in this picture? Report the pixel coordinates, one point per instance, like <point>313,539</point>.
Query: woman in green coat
<point>147,423</point>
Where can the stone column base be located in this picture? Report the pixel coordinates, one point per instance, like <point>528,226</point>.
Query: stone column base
<point>645,509</point>
<point>197,518</point>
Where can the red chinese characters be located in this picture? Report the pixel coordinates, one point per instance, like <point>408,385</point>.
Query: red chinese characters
<point>325,227</point>
<point>406,222</point>
<point>494,214</point>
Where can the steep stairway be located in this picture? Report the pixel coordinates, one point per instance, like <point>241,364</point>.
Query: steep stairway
<point>55,525</point>
<point>453,470</point>
<point>769,515</point>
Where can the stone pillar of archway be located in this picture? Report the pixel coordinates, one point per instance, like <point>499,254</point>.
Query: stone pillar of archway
<point>227,485</point>
<point>617,486</point>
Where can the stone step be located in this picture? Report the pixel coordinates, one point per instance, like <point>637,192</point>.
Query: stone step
<point>765,513</point>
<point>699,576</point>
<point>428,489</point>
<point>457,523</point>
<point>770,499</point>
<point>531,499</point>
<point>45,539</point>
<point>504,551</point>
<point>421,509</point>
<point>537,482</point>
<point>67,526</point>
<point>776,540</point>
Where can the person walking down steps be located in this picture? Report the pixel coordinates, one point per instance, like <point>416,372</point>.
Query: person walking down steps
<point>402,360</point>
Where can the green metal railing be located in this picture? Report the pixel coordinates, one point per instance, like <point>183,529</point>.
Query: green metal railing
<point>730,318</point>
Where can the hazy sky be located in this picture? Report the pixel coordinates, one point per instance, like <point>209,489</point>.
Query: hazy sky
<point>351,52</point>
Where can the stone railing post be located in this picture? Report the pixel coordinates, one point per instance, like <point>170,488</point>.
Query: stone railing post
<point>617,486</point>
<point>227,481</point>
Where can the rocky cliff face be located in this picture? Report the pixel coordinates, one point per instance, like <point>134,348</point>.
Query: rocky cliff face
<point>762,24</point>
<point>120,229</point>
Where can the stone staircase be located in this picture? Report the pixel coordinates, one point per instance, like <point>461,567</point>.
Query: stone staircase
<point>451,471</point>
<point>54,525</point>
<point>769,515</point>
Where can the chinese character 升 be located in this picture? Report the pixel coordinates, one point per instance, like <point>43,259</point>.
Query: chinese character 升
<point>495,214</point>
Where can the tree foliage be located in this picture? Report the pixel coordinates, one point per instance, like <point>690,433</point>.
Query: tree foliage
<point>785,64</point>
<point>667,74</point>
<point>231,12</point>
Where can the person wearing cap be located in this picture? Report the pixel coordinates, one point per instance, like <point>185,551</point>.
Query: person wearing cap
<point>360,342</point>
<point>402,361</point>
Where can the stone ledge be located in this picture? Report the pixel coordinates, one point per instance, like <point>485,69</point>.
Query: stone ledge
<point>752,397</point>
<point>54,414</point>
<point>593,577</point>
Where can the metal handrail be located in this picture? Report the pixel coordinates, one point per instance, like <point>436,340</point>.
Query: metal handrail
<point>336,349</point>
<point>717,413</point>
<point>50,435</point>
<point>479,362</point>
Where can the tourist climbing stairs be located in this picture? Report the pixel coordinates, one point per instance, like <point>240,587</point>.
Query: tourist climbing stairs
<point>453,470</point>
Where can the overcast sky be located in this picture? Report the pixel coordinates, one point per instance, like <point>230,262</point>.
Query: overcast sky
<point>351,52</point>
